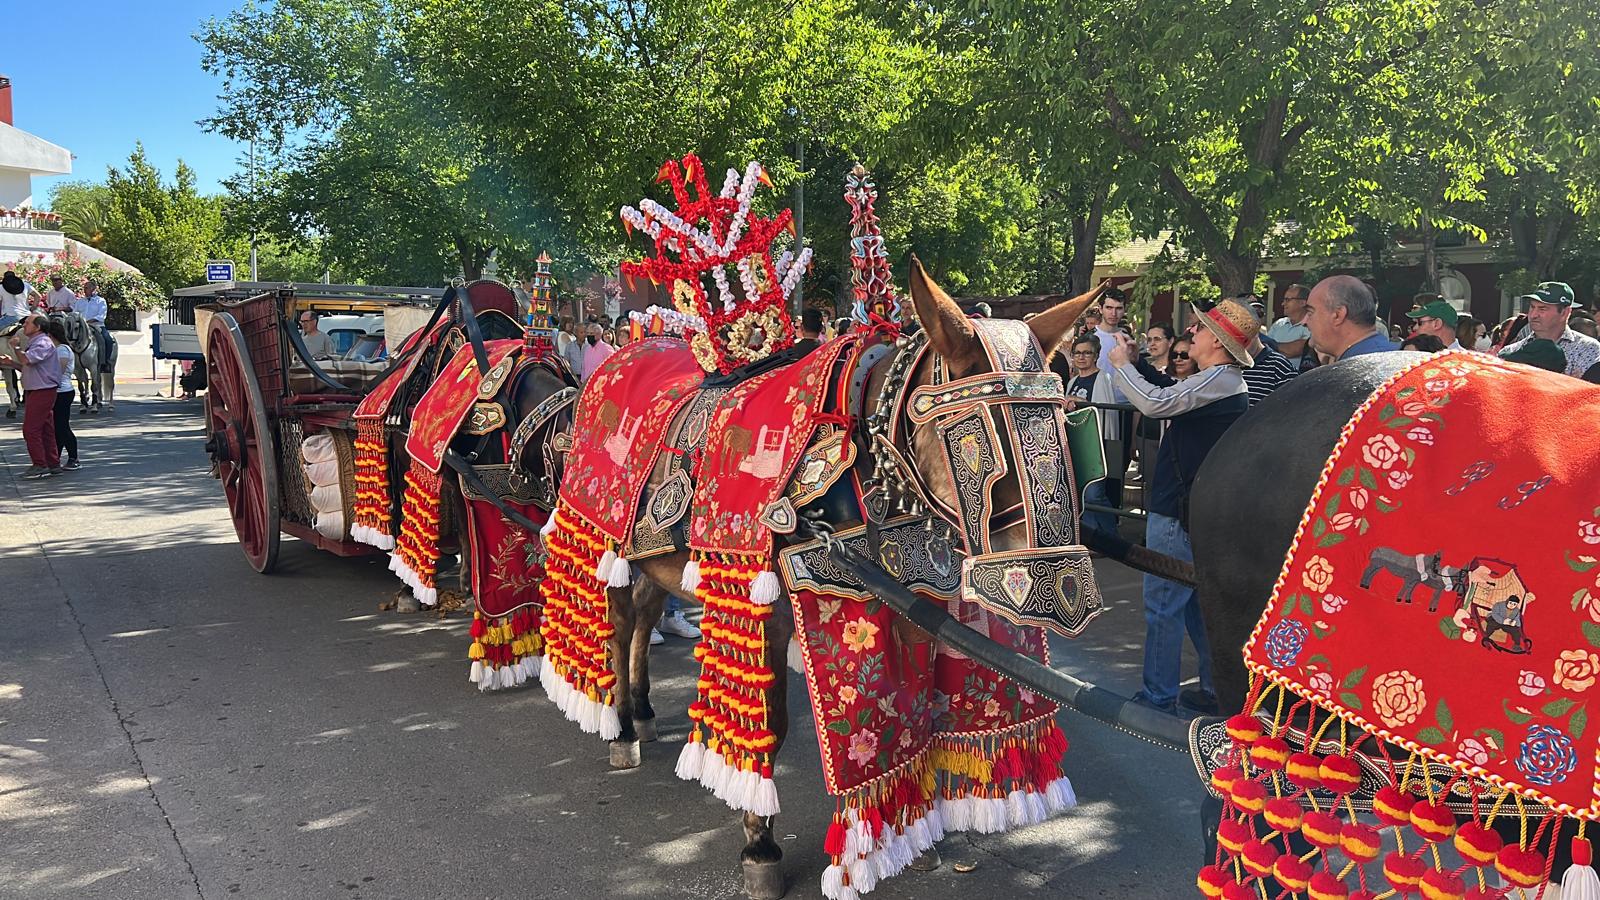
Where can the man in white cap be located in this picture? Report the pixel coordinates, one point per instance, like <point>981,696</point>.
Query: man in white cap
<point>1199,409</point>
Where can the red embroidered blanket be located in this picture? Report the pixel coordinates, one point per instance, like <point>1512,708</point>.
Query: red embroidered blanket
<point>756,436</point>
<point>1443,591</point>
<point>619,426</point>
<point>376,404</point>
<point>444,407</point>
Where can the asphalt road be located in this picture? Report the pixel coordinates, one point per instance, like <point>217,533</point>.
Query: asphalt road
<point>173,725</point>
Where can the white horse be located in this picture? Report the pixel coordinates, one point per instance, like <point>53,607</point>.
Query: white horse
<point>96,378</point>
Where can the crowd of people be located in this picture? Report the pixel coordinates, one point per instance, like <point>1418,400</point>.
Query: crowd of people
<point>1164,401</point>
<point>45,366</point>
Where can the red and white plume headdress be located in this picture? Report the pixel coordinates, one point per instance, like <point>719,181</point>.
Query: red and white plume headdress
<point>713,234</point>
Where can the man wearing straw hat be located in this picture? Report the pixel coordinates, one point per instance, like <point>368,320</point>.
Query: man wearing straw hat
<point>1199,409</point>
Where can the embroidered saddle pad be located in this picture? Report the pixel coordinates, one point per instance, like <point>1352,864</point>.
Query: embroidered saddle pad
<point>619,427</point>
<point>449,399</point>
<point>1443,591</point>
<point>375,405</point>
<point>757,434</point>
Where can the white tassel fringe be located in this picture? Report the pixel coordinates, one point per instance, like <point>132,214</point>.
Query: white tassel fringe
<point>765,590</point>
<point>691,577</point>
<point>621,574</point>
<point>602,572</point>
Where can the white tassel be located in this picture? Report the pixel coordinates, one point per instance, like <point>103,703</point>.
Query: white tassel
<point>602,572</point>
<point>863,876</point>
<point>1580,882</point>
<point>957,814</point>
<point>766,800</point>
<point>832,882</point>
<point>610,725</point>
<point>917,837</point>
<point>883,863</point>
<point>1016,809</point>
<point>549,526</point>
<point>621,574</point>
<point>476,674</point>
<point>849,893</point>
<point>935,822</point>
<point>1037,811</point>
<point>691,577</point>
<point>427,596</point>
<point>714,773</point>
<point>765,590</point>
<point>690,761</point>
<point>1059,795</point>
<point>797,658</point>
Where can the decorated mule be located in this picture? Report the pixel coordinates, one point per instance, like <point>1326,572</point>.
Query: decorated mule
<point>708,467</point>
<point>94,362</point>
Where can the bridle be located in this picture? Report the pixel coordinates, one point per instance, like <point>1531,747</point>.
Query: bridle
<point>967,415</point>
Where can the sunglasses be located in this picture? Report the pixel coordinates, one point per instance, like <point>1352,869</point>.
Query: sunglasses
<point>1180,355</point>
<point>1083,353</point>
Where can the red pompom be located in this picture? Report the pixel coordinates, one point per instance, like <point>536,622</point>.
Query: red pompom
<point>1213,880</point>
<point>833,844</point>
<point>1270,753</point>
<point>1304,770</point>
<point>1340,774</point>
<point>1438,884</point>
<point>1476,844</point>
<point>1321,829</point>
<point>1433,821</point>
<point>1223,778</point>
<point>1393,806</point>
<point>1404,872</point>
<point>1325,886</point>
<point>1291,873</point>
<point>1249,796</point>
<point>1258,858</point>
<point>1360,842</point>
<point>1244,729</point>
<point>1233,834</point>
<point>1283,815</point>
<point>1523,868</point>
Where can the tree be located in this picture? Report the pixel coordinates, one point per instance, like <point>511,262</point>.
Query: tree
<point>167,231</point>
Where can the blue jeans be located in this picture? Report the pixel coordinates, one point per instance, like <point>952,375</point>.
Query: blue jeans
<point>673,605</point>
<point>1099,493</point>
<point>1170,609</point>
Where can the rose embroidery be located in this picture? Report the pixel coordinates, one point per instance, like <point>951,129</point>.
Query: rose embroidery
<point>1414,408</point>
<point>863,747</point>
<point>1358,497</point>
<point>1421,435</point>
<point>1590,601</point>
<point>860,635</point>
<point>991,708</point>
<point>1576,670</point>
<point>1285,641</point>
<point>1321,682</point>
<point>1473,751</point>
<point>1318,575</point>
<point>1529,683</point>
<point>1342,521</point>
<point>1332,603</point>
<point>1381,451</point>
<point>1398,697</point>
<point>1589,532</point>
<point>1399,478</point>
<point>1546,756</point>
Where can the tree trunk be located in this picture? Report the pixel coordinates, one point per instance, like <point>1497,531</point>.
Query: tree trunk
<point>1430,256</point>
<point>473,258</point>
<point>1085,239</point>
<point>1553,237</point>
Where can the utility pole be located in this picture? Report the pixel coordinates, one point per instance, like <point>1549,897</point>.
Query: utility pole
<point>253,208</point>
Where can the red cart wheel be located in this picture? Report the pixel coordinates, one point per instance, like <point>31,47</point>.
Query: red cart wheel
<point>242,444</point>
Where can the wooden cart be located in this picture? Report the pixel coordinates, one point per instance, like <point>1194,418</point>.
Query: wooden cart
<point>265,397</point>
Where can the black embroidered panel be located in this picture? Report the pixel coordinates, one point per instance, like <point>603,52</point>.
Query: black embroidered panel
<point>1052,589</point>
<point>918,556</point>
<point>1047,483</point>
<point>972,456</point>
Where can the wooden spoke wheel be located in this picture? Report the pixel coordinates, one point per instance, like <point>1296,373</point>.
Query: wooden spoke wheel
<point>241,442</point>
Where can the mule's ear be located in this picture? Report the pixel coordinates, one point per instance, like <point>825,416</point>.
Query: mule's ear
<point>950,333</point>
<point>1053,325</point>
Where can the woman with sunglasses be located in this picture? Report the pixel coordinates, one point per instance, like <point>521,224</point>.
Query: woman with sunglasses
<point>1090,385</point>
<point>1182,365</point>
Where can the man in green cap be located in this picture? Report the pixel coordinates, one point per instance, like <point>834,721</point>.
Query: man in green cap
<point>1438,318</point>
<point>1549,310</point>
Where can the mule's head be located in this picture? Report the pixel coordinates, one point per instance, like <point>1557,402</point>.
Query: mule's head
<point>979,430</point>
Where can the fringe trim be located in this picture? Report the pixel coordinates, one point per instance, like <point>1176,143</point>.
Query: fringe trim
<point>576,626</point>
<point>506,651</point>
<point>372,537</point>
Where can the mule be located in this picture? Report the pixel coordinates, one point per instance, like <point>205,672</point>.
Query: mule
<point>1414,571</point>
<point>952,338</point>
<point>95,377</point>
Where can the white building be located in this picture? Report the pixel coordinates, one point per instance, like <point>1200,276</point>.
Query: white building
<point>24,230</point>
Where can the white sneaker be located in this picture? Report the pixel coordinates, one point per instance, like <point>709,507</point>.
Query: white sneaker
<point>676,625</point>
<point>656,638</point>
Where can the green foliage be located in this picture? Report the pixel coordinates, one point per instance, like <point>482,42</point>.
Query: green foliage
<point>123,291</point>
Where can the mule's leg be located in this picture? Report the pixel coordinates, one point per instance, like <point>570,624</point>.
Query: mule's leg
<point>648,599</point>
<point>762,858</point>
<point>625,749</point>
<point>1372,572</point>
<point>108,390</point>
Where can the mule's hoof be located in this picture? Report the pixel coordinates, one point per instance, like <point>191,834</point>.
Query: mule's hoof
<point>406,602</point>
<point>624,754</point>
<point>763,880</point>
<point>928,861</point>
<point>646,729</point>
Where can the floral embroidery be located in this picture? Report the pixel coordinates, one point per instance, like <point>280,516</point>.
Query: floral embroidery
<point>1398,698</point>
<point>1321,682</point>
<point>863,747</point>
<point>1381,451</point>
<point>1285,641</point>
<point>860,635</point>
<point>1473,751</point>
<point>1546,756</point>
<point>1332,603</point>
<point>1318,575</point>
<point>1530,684</point>
<point>1589,532</point>
<point>1576,670</point>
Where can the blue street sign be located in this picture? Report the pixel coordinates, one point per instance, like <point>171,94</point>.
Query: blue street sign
<point>219,270</point>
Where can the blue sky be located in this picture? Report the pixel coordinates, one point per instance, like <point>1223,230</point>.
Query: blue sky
<point>97,75</point>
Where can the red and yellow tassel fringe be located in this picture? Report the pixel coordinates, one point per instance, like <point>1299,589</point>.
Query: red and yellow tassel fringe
<point>730,748</point>
<point>506,650</point>
<point>371,523</point>
<point>985,783</point>
<point>416,556</point>
<point>576,627</point>
<point>1266,789</point>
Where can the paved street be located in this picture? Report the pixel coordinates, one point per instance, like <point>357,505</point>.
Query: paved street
<point>173,725</point>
